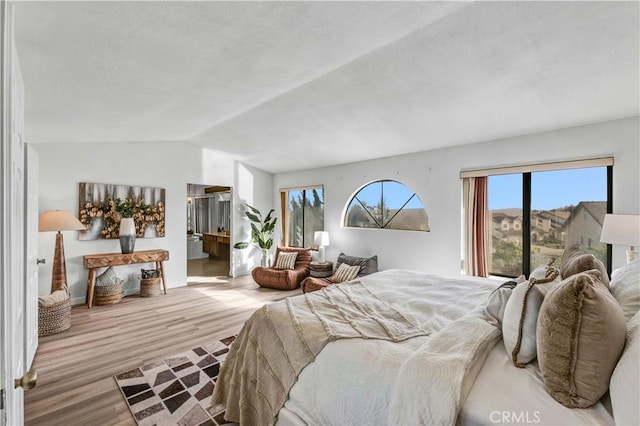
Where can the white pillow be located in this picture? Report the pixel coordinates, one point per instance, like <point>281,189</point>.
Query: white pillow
<point>625,287</point>
<point>544,272</point>
<point>624,385</point>
<point>516,312</point>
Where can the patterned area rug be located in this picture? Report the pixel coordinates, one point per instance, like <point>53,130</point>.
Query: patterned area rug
<point>176,390</point>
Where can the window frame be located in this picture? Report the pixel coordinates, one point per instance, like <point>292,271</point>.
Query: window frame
<point>526,210</point>
<point>285,212</point>
<point>383,226</point>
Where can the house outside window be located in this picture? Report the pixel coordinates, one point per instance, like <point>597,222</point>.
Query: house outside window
<point>559,208</point>
<point>303,215</point>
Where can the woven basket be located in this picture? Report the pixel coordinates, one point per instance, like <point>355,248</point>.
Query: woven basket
<point>107,294</point>
<point>149,287</point>
<point>55,318</point>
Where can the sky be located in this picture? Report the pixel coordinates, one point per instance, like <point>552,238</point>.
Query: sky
<point>549,190</point>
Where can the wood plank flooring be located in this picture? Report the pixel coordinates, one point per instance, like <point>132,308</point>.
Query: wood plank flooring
<point>76,367</point>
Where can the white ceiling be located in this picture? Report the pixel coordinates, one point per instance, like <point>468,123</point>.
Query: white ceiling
<point>291,85</point>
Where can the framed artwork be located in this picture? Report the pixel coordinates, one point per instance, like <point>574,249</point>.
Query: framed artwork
<point>97,210</point>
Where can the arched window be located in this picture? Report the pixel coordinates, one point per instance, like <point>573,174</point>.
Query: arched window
<point>386,204</point>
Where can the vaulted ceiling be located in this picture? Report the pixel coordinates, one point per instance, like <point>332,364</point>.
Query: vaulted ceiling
<point>289,85</point>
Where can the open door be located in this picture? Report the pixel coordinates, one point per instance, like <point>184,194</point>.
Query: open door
<point>13,344</point>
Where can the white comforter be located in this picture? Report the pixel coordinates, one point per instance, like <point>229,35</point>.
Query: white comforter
<point>359,381</point>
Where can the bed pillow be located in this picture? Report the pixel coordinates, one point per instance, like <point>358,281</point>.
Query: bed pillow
<point>544,273</point>
<point>625,287</point>
<point>520,323</point>
<point>624,387</point>
<point>345,273</point>
<point>575,260</point>
<point>521,314</point>
<point>496,303</point>
<point>576,318</point>
<point>368,265</point>
<point>286,260</point>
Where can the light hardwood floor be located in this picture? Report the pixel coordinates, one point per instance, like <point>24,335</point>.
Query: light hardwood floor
<point>76,367</point>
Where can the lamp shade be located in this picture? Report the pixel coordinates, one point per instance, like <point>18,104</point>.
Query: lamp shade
<point>621,229</point>
<point>321,238</point>
<point>59,220</point>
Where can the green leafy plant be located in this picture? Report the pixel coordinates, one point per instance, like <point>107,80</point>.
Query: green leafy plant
<point>128,207</point>
<point>261,230</point>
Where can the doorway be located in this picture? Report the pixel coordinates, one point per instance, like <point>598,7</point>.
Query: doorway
<point>208,233</point>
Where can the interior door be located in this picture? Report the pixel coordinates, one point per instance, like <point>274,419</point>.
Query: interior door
<point>31,255</point>
<point>14,354</point>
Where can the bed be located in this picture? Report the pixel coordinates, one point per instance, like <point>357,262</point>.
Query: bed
<point>443,362</point>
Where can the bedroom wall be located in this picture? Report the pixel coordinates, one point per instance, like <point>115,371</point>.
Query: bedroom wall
<point>166,165</point>
<point>434,176</point>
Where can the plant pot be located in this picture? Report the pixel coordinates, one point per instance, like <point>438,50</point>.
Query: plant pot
<point>264,260</point>
<point>127,235</point>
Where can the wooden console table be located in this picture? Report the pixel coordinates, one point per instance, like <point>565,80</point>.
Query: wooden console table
<point>104,260</point>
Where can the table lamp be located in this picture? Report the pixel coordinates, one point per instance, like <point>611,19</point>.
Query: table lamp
<point>622,229</point>
<point>59,220</point>
<point>321,239</point>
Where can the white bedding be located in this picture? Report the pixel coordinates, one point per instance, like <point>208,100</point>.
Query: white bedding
<point>351,381</point>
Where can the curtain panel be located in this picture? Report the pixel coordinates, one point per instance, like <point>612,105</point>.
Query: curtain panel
<point>476,226</point>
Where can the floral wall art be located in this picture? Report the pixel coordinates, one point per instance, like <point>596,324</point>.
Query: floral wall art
<point>99,214</point>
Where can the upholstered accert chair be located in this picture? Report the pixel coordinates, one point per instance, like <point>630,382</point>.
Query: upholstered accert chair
<point>284,279</point>
<point>368,265</point>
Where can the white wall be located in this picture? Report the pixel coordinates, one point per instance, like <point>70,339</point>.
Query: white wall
<point>434,176</point>
<point>166,165</point>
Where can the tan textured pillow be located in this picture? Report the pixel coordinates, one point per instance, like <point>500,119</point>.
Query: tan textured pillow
<point>286,260</point>
<point>575,260</point>
<point>581,334</point>
<point>345,273</point>
<point>60,295</point>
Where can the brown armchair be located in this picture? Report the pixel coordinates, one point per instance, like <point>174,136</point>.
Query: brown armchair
<point>284,279</point>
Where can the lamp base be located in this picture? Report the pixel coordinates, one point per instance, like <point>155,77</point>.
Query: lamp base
<point>59,274</point>
<point>321,258</point>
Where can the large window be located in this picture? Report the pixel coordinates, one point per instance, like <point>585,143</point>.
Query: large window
<point>303,212</point>
<point>386,204</point>
<point>535,215</point>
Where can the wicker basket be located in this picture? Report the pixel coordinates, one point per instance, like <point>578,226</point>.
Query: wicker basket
<point>149,287</point>
<point>55,318</point>
<point>107,294</point>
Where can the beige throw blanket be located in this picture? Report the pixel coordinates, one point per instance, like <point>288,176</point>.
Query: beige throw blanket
<point>273,347</point>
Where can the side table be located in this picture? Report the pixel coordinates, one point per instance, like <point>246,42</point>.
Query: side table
<point>104,260</point>
<point>321,269</point>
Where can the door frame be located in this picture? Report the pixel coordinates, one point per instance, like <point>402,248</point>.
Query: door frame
<point>4,141</point>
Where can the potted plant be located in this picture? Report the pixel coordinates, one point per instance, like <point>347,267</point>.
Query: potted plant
<point>261,232</point>
<point>127,233</point>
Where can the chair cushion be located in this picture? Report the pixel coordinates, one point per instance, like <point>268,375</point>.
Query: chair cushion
<point>310,284</point>
<point>345,273</point>
<point>286,260</point>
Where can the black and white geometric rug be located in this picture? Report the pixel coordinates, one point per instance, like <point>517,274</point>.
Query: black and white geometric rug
<point>176,390</point>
